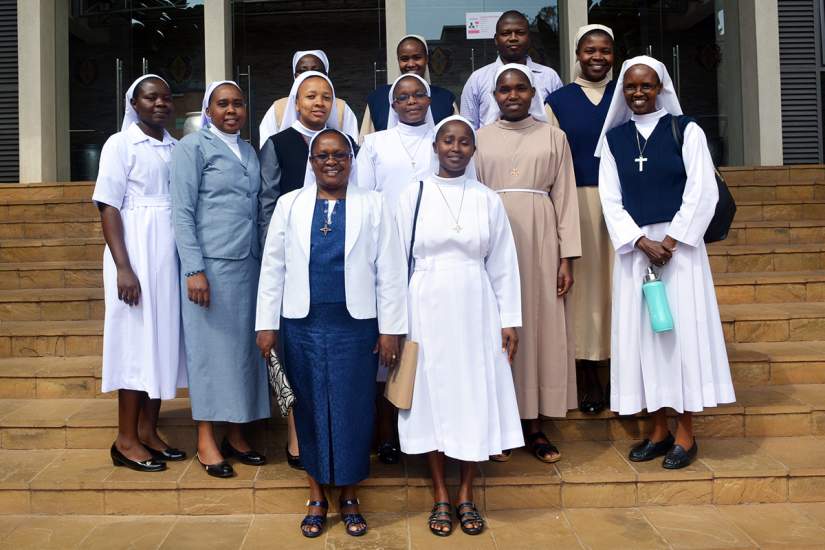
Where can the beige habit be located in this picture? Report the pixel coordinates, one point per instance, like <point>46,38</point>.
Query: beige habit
<point>532,160</point>
<point>593,274</point>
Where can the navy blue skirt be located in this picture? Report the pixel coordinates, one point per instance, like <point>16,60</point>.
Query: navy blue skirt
<point>331,367</point>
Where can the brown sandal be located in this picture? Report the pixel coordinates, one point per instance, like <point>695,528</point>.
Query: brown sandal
<point>546,452</point>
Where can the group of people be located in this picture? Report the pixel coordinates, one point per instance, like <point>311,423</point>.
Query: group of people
<point>457,232</point>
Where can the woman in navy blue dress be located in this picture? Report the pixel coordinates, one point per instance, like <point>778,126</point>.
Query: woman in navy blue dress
<point>333,279</point>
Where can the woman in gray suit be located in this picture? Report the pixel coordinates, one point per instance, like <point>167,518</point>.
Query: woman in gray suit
<point>215,182</point>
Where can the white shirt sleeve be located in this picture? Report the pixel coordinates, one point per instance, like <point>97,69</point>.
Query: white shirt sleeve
<point>620,225</point>
<point>391,276</point>
<point>365,165</point>
<point>470,101</point>
<point>273,272</point>
<point>113,173</point>
<point>701,193</point>
<point>502,264</point>
<point>268,127</point>
<point>350,124</point>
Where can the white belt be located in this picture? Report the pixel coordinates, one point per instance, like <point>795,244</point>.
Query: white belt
<point>436,264</point>
<point>522,190</point>
<point>136,201</point>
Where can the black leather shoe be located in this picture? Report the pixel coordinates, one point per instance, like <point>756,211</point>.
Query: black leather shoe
<point>389,453</point>
<point>167,455</point>
<point>251,458</point>
<point>591,407</point>
<point>150,465</point>
<point>294,461</point>
<point>678,457</point>
<point>221,469</point>
<point>647,450</point>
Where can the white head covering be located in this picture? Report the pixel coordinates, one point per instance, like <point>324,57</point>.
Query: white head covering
<point>291,112</point>
<point>207,95</point>
<point>317,53</point>
<point>580,34</point>
<point>619,112</point>
<point>470,171</point>
<point>426,50</point>
<point>514,66</point>
<point>130,115</point>
<point>309,177</point>
<point>392,118</point>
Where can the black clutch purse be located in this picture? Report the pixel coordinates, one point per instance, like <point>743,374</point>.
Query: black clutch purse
<point>280,385</point>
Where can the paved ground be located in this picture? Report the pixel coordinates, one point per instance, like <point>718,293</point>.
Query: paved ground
<point>789,526</point>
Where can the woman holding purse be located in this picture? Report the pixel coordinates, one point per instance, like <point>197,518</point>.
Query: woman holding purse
<point>333,281</point>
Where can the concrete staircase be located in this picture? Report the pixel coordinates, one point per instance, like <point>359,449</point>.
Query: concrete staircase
<point>56,426</point>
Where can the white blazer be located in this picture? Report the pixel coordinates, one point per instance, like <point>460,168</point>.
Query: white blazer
<point>375,270</point>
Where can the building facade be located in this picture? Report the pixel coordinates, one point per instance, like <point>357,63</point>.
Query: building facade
<point>750,71</point>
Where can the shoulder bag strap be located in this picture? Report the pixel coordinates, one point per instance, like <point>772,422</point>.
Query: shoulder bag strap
<point>677,132</point>
<point>415,222</point>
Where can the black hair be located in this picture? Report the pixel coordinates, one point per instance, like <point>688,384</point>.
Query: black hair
<point>512,14</point>
<point>594,32</point>
<point>338,133</point>
<point>415,39</point>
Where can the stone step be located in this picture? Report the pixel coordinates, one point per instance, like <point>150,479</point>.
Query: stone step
<point>780,210</point>
<point>45,209</point>
<point>770,287</point>
<point>705,526</point>
<point>48,250</point>
<point>53,274</point>
<point>807,184</point>
<point>777,363</point>
<point>50,339</point>
<point>779,322</point>
<point>766,257</point>
<point>56,304</point>
<point>48,229</point>
<point>50,377</point>
<point>776,232</point>
<point>590,474</point>
<point>49,190</point>
<point>761,411</point>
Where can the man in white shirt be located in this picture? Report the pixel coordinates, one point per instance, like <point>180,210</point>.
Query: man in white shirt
<point>513,42</point>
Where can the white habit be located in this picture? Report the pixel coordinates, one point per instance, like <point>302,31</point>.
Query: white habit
<point>685,369</point>
<point>142,345</point>
<point>465,288</point>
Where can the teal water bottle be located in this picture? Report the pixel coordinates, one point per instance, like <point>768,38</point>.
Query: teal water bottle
<point>656,299</point>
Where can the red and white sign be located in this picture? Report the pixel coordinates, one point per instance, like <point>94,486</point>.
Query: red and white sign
<point>481,25</point>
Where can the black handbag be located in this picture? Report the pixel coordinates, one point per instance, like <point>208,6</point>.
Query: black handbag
<point>726,207</point>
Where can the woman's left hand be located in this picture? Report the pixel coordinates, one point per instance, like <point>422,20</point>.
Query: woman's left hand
<point>509,343</point>
<point>387,349</point>
<point>564,280</point>
<point>670,243</point>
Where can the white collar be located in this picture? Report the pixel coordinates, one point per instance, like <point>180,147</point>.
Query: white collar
<point>299,127</point>
<point>228,138</point>
<point>450,181</point>
<point>648,118</point>
<point>421,131</point>
<point>136,135</point>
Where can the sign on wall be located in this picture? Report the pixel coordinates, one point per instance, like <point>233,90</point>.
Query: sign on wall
<point>481,25</point>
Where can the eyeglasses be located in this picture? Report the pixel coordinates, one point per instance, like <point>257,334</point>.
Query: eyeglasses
<point>337,157</point>
<point>403,98</point>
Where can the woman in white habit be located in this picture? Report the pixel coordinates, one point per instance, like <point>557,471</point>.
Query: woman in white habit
<point>142,347</point>
<point>658,199</point>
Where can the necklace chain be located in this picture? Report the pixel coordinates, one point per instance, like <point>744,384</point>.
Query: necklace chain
<point>639,143</point>
<point>411,156</point>
<point>457,227</point>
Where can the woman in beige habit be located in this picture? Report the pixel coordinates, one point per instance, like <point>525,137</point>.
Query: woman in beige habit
<point>528,163</point>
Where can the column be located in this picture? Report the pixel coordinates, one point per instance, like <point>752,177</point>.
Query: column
<point>217,20</point>
<point>762,104</point>
<point>42,57</point>
<point>572,15</point>
<point>396,21</point>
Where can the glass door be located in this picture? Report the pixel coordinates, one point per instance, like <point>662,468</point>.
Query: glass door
<point>453,57</point>
<point>112,42</point>
<point>698,42</point>
<point>267,33</point>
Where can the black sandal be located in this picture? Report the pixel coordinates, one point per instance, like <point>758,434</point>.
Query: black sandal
<point>314,520</point>
<point>351,520</point>
<point>389,453</point>
<point>546,452</point>
<point>468,516</point>
<point>440,518</point>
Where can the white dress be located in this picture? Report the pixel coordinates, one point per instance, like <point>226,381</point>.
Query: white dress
<point>465,288</point>
<point>142,345</point>
<point>685,369</point>
<point>390,160</point>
